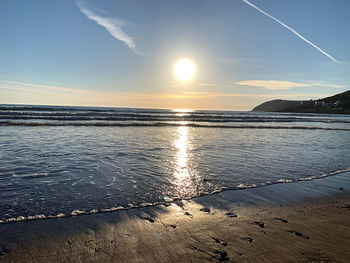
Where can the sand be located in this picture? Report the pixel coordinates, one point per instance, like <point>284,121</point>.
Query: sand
<point>297,222</point>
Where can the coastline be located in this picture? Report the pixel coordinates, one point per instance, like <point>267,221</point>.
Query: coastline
<point>305,221</point>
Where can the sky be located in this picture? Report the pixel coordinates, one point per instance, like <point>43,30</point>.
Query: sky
<point>122,53</point>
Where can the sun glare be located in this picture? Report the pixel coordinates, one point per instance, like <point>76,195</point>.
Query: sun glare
<point>184,69</point>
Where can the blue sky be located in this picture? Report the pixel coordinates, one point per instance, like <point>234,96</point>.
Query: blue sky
<point>122,53</point>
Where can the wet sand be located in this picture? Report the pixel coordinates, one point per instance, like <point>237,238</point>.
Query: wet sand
<point>297,222</point>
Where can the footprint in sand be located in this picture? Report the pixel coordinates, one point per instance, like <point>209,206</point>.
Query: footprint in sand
<point>188,214</point>
<point>205,209</point>
<point>299,234</point>
<point>222,255</point>
<point>222,242</point>
<point>260,224</point>
<point>345,206</point>
<point>150,219</point>
<point>249,239</point>
<point>230,214</point>
<point>282,220</point>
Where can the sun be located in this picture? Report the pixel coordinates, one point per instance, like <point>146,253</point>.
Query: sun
<point>184,69</point>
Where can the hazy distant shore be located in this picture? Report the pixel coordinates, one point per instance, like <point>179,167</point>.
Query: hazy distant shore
<point>297,222</point>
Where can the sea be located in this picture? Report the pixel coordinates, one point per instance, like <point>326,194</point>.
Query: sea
<point>60,161</point>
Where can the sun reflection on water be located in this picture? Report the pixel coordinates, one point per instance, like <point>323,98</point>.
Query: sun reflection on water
<point>184,176</point>
<point>181,169</point>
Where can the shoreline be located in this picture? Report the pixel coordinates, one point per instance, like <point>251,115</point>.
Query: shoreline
<point>76,212</point>
<point>305,221</point>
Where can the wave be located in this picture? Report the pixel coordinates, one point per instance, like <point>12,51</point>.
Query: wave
<point>143,117</point>
<point>167,200</point>
<point>164,124</point>
<point>72,113</point>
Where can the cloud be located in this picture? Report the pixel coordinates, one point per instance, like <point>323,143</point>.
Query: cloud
<point>325,84</point>
<point>282,85</point>
<point>202,95</point>
<point>206,84</point>
<point>272,84</point>
<point>292,30</point>
<point>112,25</point>
<point>33,85</point>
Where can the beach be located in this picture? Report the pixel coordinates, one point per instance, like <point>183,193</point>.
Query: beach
<point>305,221</point>
<point>174,131</point>
<point>91,184</point>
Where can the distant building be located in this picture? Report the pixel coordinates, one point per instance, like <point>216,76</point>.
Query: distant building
<point>318,103</point>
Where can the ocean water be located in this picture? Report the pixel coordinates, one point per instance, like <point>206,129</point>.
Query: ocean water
<point>60,161</point>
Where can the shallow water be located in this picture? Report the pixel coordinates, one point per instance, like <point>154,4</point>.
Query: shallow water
<point>64,160</point>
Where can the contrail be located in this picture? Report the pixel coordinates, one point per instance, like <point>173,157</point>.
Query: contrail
<point>112,25</point>
<point>291,29</point>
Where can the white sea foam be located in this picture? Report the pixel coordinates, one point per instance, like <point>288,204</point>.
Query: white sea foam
<point>40,216</point>
<point>47,182</point>
<point>284,181</point>
<point>21,218</point>
<point>75,183</point>
<point>145,204</point>
<point>241,186</point>
<point>340,171</point>
<point>113,209</point>
<point>77,212</point>
<point>309,178</point>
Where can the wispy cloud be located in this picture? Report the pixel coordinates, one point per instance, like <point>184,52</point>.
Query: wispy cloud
<point>325,84</point>
<point>282,85</point>
<point>34,85</point>
<point>292,30</point>
<point>206,84</point>
<point>112,25</point>
<point>271,84</point>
